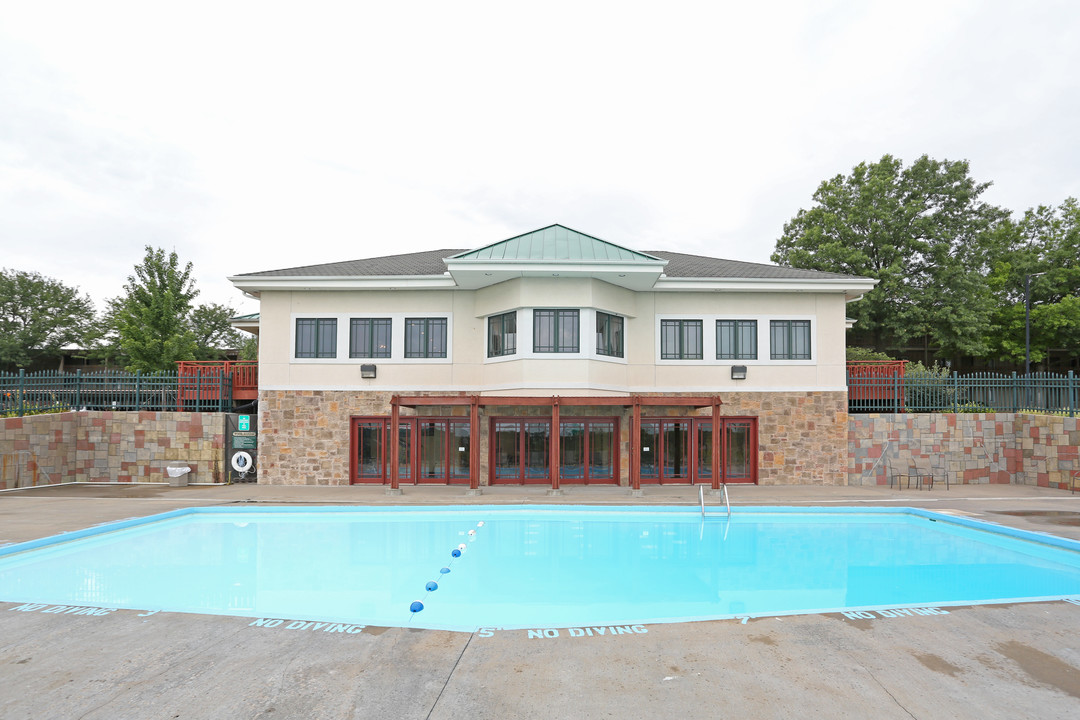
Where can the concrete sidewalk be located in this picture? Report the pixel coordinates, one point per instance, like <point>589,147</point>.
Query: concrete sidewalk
<point>1003,661</point>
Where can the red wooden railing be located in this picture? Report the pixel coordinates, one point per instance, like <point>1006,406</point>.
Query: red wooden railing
<point>202,379</point>
<point>876,382</point>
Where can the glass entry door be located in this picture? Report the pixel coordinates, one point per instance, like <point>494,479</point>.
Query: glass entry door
<point>521,451</point>
<point>429,450</point>
<point>665,451</point>
<point>587,452</point>
<point>681,450</point>
<point>738,450</point>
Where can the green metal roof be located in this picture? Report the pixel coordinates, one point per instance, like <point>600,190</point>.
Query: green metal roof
<point>555,243</point>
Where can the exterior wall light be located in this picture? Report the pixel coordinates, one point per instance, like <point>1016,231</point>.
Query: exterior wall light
<point>738,372</point>
<point>367,371</point>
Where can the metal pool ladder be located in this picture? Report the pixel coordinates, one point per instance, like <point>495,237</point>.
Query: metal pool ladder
<point>724,494</point>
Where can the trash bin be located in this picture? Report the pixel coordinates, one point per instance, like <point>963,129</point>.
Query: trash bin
<point>178,475</point>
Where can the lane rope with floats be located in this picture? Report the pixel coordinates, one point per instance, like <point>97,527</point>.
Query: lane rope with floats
<point>433,585</point>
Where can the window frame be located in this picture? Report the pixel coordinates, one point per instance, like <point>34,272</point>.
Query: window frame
<point>603,333</point>
<point>737,352</point>
<point>502,321</point>
<point>788,328</point>
<point>426,352</point>
<point>558,316</point>
<point>682,324</point>
<point>388,323</point>
<point>317,352</point>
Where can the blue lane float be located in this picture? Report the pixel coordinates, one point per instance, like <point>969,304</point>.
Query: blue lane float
<point>431,585</point>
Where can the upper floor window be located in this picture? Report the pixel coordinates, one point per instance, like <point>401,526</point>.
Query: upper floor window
<point>425,337</point>
<point>502,334</point>
<point>555,331</point>
<point>736,339</point>
<point>680,340</point>
<point>790,339</point>
<point>369,338</point>
<point>609,335</point>
<point>316,337</point>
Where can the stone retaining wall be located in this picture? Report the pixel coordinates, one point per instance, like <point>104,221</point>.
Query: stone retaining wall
<point>109,446</point>
<point>1005,448</point>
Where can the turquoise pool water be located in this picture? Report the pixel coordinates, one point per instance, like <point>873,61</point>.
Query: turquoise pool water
<point>536,566</point>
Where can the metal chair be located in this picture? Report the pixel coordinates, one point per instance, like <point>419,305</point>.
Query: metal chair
<point>911,473</point>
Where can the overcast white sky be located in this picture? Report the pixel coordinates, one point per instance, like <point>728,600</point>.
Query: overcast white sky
<point>259,136</point>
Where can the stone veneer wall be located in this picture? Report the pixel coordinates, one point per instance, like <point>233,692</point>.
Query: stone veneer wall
<point>304,436</point>
<point>1005,448</point>
<point>109,446</point>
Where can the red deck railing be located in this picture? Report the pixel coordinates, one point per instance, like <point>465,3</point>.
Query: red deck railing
<point>876,382</point>
<point>204,379</point>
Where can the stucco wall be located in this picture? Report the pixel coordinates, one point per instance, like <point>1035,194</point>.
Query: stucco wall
<point>100,446</point>
<point>1006,448</point>
<point>468,369</point>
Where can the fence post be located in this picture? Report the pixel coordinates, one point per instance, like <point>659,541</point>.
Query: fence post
<point>956,391</point>
<point>138,389</point>
<point>1072,401</point>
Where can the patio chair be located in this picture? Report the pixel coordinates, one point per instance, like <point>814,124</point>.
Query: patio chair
<point>909,472</point>
<point>928,472</point>
<point>1071,456</point>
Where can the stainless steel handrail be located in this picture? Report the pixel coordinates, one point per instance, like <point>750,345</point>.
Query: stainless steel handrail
<point>723,493</point>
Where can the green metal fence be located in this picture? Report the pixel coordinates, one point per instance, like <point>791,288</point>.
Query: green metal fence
<point>25,393</point>
<point>976,392</point>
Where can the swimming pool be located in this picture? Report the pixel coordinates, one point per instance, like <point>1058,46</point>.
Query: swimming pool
<point>537,566</point>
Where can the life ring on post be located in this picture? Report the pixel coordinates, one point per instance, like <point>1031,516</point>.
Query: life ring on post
<point>241,462</point>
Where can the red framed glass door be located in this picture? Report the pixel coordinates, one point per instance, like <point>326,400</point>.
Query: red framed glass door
<point>520,451</point>
<point>429,450</point>
<point>587,451</point>
<point>679,450</point>
<point>738,450</point>
<point>666,451</point>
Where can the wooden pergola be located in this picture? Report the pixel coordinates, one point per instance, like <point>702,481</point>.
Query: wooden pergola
<point>475,402</point>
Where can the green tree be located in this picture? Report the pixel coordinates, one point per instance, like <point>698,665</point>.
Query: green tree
<point>922,231</point>
<point>213,333</point>
<point>152,320</point>
<point>249,348</point>
<point>1044,244</point>
<point>39,316</point>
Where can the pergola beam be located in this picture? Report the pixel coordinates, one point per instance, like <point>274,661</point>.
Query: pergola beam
<point>555,402</point>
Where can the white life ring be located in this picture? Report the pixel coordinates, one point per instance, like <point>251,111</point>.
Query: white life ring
<point>241,462</point>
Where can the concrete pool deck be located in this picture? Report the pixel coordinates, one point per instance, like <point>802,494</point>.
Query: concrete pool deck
<point>992,661</point>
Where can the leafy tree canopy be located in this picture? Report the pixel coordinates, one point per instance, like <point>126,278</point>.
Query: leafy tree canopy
<point>151,320</point>
<point>39,316</point>
<point>1043,247</point>
<point>923,231</point>
<point>213,333</point>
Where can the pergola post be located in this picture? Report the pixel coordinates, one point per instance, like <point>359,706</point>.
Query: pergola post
<point>635,441</point>
<point>474,443</point>
<point>716,443</point>
<point>555,443</point>
<point>392,443</point>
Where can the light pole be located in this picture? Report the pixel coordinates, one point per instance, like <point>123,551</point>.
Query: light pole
<point>1027,321</point>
